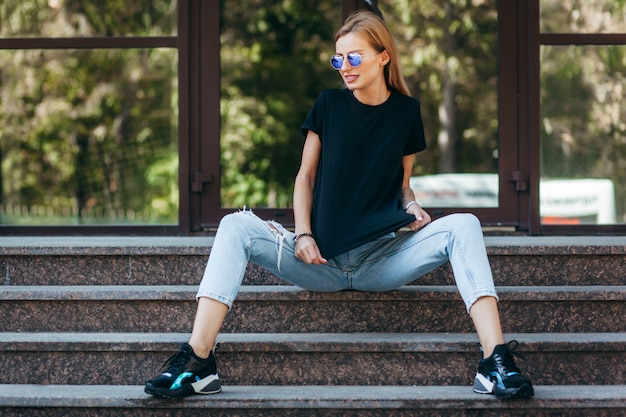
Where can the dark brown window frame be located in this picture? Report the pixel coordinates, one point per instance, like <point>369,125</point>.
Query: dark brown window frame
<point>204,162</point>
<point>127,42</point>
<point>199,117</point>
<point>535,38</point>
<point>206,206</point>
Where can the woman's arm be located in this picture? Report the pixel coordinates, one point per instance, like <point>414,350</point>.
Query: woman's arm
<point>408,196</point>
<point>306,247</point>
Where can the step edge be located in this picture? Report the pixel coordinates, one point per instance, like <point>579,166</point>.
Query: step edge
<point>290,292</point>
<point>307,342</point>
<point>312,397</point>
<point>201,245</point>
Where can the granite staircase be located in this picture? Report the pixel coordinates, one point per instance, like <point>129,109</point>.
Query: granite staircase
<point>85,321</point>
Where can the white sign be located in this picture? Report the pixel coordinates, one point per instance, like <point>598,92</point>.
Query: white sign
<point>587,200</point>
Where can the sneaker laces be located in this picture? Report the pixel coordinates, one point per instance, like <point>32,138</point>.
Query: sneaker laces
<point>180,359</point>
<point>506,360</point>
<point>175,362</point>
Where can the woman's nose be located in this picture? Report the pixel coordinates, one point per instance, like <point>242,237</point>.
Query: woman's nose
<point>345,64</point>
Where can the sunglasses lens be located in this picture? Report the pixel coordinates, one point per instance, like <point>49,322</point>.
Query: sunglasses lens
<point>354,58</point>
<point>336,61</point>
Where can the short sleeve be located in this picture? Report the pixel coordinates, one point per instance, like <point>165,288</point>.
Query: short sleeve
<point>416,141</point>
<point>314,120</point>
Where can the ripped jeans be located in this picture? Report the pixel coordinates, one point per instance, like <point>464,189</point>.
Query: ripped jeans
<point>384,264</point>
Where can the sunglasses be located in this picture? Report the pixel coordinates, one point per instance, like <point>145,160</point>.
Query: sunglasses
<point>354,58</point>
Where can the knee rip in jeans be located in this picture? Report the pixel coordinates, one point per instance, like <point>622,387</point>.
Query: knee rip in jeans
<point>280,239</point>
<point>278,229</point>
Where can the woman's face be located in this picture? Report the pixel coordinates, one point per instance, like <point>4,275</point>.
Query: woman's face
<point>370,71</point>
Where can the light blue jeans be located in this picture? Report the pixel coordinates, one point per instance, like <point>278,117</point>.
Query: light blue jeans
<point>384,264</point>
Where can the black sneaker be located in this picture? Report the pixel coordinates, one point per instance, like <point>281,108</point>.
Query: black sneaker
<point>186,375</point>
<point>498,375</point>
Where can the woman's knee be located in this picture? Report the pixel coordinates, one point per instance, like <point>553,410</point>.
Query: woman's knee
<point>244,219</point>
<point>247,226</point>
<point>465,221</point>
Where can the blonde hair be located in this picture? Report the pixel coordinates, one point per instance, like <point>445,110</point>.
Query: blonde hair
<point>373,30</point>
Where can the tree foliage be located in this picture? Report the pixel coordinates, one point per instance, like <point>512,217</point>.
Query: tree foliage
<point>274,64</point>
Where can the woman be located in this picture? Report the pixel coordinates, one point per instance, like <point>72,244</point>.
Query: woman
<point>351,194</point>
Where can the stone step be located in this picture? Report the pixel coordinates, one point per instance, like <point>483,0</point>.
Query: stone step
<point>299,401</point>
<point>310,359</point>
<point>530,260</point>
<point>277,309</point>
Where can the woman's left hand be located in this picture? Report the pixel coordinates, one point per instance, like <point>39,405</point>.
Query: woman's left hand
<point>421,217</point>
<point>307,251</point>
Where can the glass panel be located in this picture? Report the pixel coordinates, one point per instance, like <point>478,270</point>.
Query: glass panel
<point>583,135</point>
<point>70,18</point>
<point>274,63</point>
<point>582,16</point>
<point>454,73</point>
<point>88,137</point>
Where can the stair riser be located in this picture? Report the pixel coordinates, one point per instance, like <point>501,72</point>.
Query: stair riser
<point>102,270</point>
<point>299,316</point>
<point>188,270</point>
<point>309,368</point>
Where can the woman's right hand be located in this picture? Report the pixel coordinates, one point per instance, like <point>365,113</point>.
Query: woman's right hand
<point>308,252</point>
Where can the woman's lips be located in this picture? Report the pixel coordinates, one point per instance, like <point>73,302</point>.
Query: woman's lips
<point>350,78</point>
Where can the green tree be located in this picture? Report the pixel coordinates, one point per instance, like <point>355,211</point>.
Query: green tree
<point>274,64</point>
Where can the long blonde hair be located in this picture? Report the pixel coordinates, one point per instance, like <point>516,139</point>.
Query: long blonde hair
<point>373,29</point>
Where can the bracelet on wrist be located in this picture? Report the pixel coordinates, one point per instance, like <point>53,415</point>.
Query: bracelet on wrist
<point>299,235</point>
<point>410,204</point>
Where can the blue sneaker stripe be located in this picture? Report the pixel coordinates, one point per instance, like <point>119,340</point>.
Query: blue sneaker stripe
<point>178,382</point>
<point>498,378</point>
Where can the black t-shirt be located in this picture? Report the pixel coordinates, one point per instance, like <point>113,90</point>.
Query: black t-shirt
<point>357,196</point>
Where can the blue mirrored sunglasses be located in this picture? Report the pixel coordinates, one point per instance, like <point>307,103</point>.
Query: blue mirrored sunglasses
<point>354,58</point>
